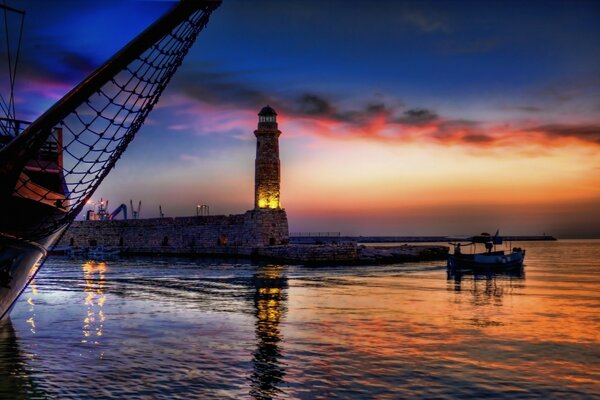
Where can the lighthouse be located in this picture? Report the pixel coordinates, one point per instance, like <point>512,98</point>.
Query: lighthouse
<point>267,178</point>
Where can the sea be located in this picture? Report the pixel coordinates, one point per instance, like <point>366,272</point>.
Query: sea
<point>174,328</point>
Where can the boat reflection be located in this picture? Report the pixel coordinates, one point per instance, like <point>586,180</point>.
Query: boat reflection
<point>269,302</point>
<point>93,322</point>
<point>486,287</point>
<point>15,380</point>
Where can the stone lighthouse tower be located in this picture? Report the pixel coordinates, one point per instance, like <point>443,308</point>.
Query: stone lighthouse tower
<point>267,177</point>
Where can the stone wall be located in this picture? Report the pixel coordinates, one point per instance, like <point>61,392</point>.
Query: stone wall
<point>219,234</point>
<point>350,253</point>
<point>338,253</point>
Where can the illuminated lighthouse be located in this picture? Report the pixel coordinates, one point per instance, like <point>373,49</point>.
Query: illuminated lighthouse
<point>267,179</point>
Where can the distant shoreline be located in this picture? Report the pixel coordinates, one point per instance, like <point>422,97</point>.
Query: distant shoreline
<point>405,239</point>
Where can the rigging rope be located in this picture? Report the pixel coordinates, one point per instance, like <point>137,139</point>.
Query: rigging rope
<point>14,74</point>
<point>78,153</point>
<point>8,107</point>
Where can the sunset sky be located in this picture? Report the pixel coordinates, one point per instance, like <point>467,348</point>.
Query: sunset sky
<point>398,118</point>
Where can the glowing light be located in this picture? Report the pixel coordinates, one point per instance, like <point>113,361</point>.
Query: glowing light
<point>268,201</point>
<point>31,320</point>
<point>93,323</point>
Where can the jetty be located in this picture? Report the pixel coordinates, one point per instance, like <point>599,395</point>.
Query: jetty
<point>333,237</point>
<point>261,233</point>
<point>256,234</point>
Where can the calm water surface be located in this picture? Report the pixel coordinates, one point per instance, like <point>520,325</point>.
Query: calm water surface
<point>173,328</point>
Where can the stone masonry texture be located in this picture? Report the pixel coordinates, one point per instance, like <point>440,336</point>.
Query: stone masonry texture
<point>226,234</point>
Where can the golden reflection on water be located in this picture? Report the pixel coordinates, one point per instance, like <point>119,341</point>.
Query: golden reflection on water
<point>515,328</point>
<point>487,289</point>
<point>269,305</point>
<point>93,323</point>
<point>405,331</point>
<point>31,309</point>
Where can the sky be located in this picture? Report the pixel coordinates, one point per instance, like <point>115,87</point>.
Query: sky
<point>398,117</point>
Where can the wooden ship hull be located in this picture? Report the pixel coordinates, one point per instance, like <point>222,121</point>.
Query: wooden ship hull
<point>19,261</point>
<point>34,197</point>
<point>50,168</point>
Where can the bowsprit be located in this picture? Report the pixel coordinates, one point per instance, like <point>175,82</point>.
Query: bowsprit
<point>50,168</point>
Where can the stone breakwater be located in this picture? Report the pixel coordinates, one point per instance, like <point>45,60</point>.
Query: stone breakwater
<point>328,238</point>
<point>351,253</point>
<point>218,234</point>
<point>258,234</point>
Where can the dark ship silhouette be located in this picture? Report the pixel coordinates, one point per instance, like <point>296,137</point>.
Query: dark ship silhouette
<point>50,168</point>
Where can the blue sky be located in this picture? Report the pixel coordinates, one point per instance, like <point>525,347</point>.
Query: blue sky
<point>395,84</point>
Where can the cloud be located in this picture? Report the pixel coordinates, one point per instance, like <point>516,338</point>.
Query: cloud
<point>219,88</point>
<point>180,127</point>
<point>571,89</point>
<point>324,116</point>
<point>587,132</point>
<point>478,138</point>
<point>426,22</point>
<point>417,116</point>
<point>73,62</point>
<point>312,104</point>
<point>527,109</point>
<point>380,122</point>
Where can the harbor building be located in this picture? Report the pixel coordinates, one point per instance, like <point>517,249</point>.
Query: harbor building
<point>265,225</point>
<point>261,232</point>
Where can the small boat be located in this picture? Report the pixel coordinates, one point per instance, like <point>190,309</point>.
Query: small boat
<point>76,252</point>
<point>491,259</point>
<point>60,250</point>
<point>103,253</point>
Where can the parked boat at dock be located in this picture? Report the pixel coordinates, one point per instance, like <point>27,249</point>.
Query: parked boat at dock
<point>100,253</point>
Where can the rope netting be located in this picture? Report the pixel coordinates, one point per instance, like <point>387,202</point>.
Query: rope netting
<point>80,151</point>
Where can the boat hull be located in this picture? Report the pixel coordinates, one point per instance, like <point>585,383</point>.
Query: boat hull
<point>19,260</point>
<point>487,261</point>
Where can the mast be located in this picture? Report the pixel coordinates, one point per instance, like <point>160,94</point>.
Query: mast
<point>8,107</point>
<point>92,125</point>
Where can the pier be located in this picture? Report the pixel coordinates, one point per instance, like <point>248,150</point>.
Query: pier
<point>333,237</point>
<point>261,233</point>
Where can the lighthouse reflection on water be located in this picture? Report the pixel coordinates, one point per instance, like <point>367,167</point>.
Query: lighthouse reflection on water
<point>268,285</point>
<point>268,372</point>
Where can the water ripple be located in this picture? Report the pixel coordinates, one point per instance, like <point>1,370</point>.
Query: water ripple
<point>176,328</point>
